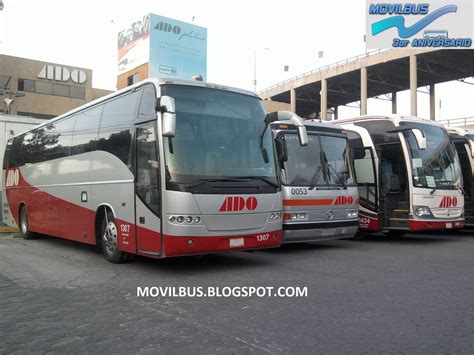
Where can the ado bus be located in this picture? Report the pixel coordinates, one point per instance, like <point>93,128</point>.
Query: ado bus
<point>464,142</point>
<point>320,197</point>
<point>161,168</point>
<point>408,174</point>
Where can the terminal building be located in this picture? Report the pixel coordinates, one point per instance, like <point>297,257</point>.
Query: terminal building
<point>42,89</point>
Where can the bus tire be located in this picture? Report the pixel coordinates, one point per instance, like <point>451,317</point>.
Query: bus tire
<point>23,224</point>
<point>109,240</point>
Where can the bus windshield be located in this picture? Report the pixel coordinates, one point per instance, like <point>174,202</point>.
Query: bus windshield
<point>217,137</point>
<point>324,161</point>
<point>438,165</point>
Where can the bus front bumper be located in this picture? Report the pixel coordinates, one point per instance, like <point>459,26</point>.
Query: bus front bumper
<point>317,231</point>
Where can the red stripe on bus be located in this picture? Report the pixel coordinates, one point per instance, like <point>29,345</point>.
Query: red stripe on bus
<point>308,202</point>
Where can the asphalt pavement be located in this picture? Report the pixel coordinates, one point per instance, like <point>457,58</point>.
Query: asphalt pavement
<point>412,294</point>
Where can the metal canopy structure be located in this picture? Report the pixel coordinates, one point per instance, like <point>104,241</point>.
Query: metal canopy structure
<point>378,74</point>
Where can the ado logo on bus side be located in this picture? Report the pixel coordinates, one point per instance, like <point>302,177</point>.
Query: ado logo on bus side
<point>238,203</point>
<point>13,178</point>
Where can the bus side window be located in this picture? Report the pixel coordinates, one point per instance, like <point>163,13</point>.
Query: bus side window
<point>147,167</point>
<point>146,111</point>
<point>14,156</point>
<point>116,124</point>
<point>6,157</point>
<point>86,130</point>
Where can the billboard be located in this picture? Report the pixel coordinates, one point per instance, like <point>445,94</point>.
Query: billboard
<point>134,45</point>
<point>424,24</point>
<point>173,49</point>
<point>177,49</point>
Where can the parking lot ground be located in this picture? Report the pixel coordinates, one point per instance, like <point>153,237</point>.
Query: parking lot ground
<point>412,294</point>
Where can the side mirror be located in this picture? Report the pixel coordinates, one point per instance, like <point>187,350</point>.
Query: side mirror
<point>302,136</point>
<point>281,149</point>
<point>420,138</point>
<point>168,109</point>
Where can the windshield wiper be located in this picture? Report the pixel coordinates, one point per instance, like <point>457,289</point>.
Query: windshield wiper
<point>315,178</point>
<point>332,170</point>
<point>262,178</point>
<point>205,181</point>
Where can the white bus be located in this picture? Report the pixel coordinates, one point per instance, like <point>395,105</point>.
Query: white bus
<point>408,174</point>
<point>320,196</point>
<point>161,168</point>
<point>464,142</point>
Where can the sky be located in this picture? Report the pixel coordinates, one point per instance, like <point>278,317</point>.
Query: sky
<point>280,32</point>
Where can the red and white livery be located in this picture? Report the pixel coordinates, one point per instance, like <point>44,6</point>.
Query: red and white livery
<point>161,168</point>
<point>408,174</point>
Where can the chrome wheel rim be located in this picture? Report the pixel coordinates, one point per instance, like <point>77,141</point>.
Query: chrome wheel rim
<point>110,238</point>
<point>23,222</point>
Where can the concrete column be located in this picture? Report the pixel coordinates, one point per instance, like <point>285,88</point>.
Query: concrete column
<point>293,100</point>
<point>432,103</point>
<point>413,86</point>
<point>363,91</point>
<point>336,112</point>
<point>394,103</point>
<point>324,99</point>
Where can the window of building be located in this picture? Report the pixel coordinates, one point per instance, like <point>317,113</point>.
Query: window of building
<point>44,88</point>
<point>26,85</point>
<point>132,79</point>
<point>77,92</point>
<point>4,81</point>
<point>61,90</point>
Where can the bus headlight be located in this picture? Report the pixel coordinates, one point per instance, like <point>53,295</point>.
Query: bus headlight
<point>295,216</point>
<point>352,213</point>
<point>174,219</point>
<point>421,211</point>
<point>275,216</point>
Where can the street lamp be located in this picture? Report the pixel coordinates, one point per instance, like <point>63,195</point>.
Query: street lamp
<point>254,82</point>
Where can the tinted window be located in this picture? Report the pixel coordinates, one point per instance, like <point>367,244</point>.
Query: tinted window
<point>44,88</point>
<point>26,85</point>
<point>77,92</point>
<point>116,123</point>
<point>147,110</point>
<point>147,166</point>
<point>63,132</point>
<point>378,131</point>
<point>14,156</point>
<point>6,157</point>
<point>61,90</point>
<point>86,130</point>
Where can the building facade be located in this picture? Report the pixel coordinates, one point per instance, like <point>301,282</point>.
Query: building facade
<point>43,89</point>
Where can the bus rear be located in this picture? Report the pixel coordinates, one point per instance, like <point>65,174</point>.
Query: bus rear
<point>320,197</point>
<point>162,168</point>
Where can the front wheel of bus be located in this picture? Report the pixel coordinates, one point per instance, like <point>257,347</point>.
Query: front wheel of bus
<point>109,240</point>
<point>23,222</point>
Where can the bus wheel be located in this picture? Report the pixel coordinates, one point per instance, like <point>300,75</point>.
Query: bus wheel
<point>23,222</point>
<point>109,240</point>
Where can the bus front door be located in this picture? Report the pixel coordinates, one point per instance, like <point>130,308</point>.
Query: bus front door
<point>147,190</point>
<point>394,186</point>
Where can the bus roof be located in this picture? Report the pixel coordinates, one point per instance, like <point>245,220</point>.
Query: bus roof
<point>396,119</point>
<point>156,81</point>
<point>311,126</point>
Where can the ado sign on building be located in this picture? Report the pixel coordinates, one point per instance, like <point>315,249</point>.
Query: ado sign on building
<point>171,48</point>
<point>59,73</point>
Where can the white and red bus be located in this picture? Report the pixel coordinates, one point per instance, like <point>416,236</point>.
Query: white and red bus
<point>408,173</point>
<point>320,196</point>
<point>464,142</point>
<point>161,168</point>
